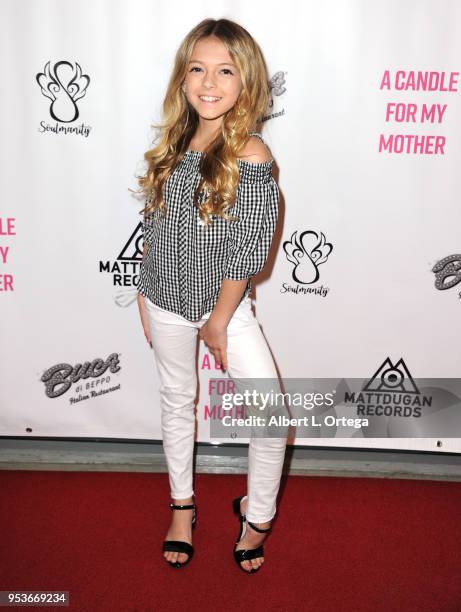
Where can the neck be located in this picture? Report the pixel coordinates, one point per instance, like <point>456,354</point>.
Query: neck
<point>205,133</point>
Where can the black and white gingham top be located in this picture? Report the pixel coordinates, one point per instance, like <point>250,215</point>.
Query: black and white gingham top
<point>186,260</point>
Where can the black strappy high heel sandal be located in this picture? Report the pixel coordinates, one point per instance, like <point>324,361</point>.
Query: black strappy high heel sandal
<point>177,545</point>
<point>249,553</point>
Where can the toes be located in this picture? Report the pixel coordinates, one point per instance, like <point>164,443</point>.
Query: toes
<point>172,557</point>
<point>252,564</point>
<point>182,557</point>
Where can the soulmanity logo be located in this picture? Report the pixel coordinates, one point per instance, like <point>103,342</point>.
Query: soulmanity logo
<point>277,83</point>
<point>277,89</point>
<point>64,84</point>
<point>306,253</point>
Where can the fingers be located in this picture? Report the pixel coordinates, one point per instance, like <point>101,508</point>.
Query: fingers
<point>220,356</point>
<point>216,346</point>
<point>145,321</point>
<point>146,330</point>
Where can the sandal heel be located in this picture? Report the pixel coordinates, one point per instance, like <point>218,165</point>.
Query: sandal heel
<point>236,505</point>
<point>246,554</point>
<point>177,545</point>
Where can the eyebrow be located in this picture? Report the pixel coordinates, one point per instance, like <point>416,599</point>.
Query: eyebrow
<point>220,64</point>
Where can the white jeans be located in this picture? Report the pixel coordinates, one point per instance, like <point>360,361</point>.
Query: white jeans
<point>174,340</point>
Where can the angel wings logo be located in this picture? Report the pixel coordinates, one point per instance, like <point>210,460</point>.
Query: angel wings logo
<point>277,83</point>
<point>277,87</point>
<point>306,253</point>
<point>64,84</point>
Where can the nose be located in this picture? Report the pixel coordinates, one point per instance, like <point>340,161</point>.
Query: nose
<point>208,80</point>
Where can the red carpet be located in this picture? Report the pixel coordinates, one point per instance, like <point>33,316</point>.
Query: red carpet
<point>339,544</point>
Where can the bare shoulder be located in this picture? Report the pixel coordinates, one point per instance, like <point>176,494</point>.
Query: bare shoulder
<point>255,151</point>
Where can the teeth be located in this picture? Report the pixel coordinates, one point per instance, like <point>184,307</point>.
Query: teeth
<point>208,98</point>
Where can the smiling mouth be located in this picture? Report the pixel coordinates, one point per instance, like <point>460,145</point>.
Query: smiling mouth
<point>209,99</point>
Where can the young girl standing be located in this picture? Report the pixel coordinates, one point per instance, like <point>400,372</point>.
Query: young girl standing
<point>208,223</point>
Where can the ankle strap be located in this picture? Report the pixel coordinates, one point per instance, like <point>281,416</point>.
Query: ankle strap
<point>258,529</point>
<point>182,507</point>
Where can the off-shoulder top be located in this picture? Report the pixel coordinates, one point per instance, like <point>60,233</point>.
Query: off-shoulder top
<point>187,260</point>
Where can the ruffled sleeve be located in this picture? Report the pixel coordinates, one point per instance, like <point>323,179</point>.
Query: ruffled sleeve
<point>256,206</point>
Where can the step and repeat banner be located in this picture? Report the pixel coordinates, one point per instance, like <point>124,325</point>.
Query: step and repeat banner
<point>364,277</point>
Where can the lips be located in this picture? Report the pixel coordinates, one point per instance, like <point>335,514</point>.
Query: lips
<point>210,99</point>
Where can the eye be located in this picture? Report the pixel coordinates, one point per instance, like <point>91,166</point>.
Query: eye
<point>226,70</point>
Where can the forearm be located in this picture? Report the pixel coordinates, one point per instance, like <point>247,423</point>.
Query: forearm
<point>229,297</point>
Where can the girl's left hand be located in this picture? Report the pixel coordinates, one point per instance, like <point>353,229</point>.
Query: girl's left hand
<point>215,337</point>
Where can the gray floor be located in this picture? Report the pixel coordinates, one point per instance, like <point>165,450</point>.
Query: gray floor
<point>66,455</point>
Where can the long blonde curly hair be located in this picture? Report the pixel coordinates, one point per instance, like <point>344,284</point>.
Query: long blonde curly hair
<point>218,165</point>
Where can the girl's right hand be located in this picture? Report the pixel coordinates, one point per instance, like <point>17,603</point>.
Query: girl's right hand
<point>144,317</point>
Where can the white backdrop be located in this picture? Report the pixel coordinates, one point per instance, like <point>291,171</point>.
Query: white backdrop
<point>70,235</point>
